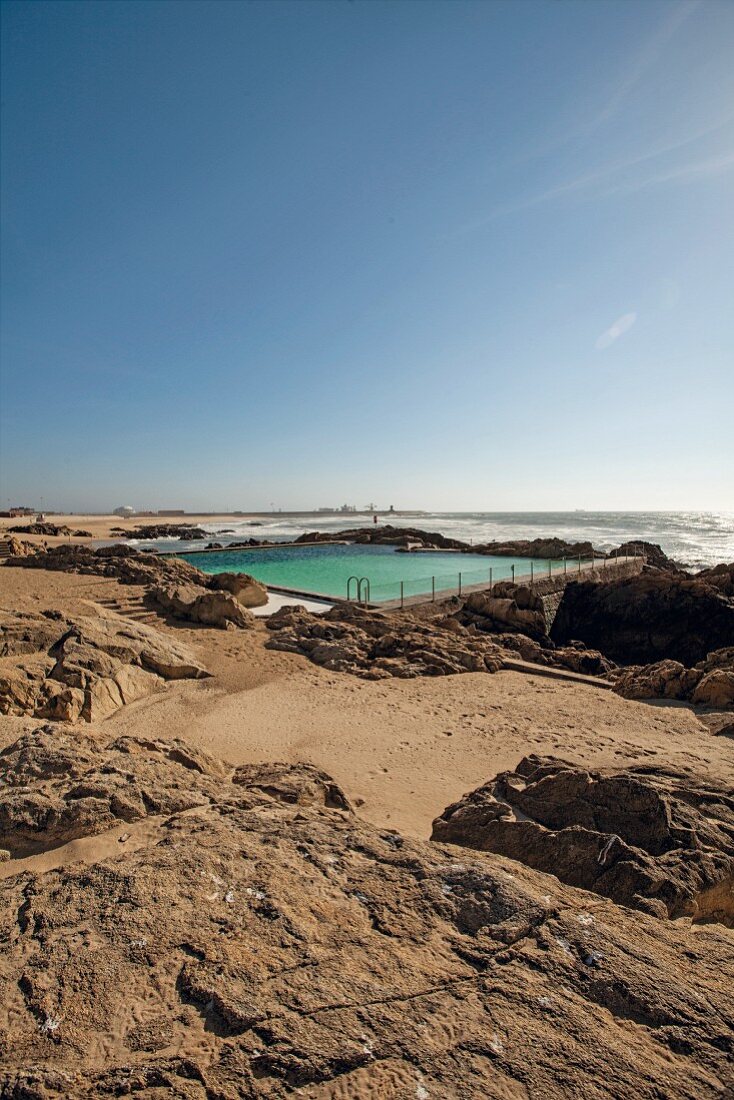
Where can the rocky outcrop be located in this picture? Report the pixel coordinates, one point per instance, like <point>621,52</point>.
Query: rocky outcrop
<point>387,536</point>
<point>55,789</point>
<point>551,548</point>
<point>652,616</point>
<point>50,529</point>
<point>17,548</point>
<point>174,585</point>
<point>659,842</point>
<point>720,576</point>
<point>250,938</point>
<point>508,607</point>
<point>709,683</point>
<point>125,563</point>
<point>84,668</point>
<point>575,657</point>
<point>375,645</point>
<point>195,604</point>
<point>414,537</point>
<point>652,552</point>
<point>165,531</point>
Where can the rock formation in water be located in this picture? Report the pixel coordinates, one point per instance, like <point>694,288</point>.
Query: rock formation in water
<point>240,934</point>
<point>657,841</point>
<point>653,553</point>
<point>84,668</point>
<point>550,548</point>
<point>387,536</point>
<point>49,529</point>
<point>431,540</point>
<point>164,531</point>
<point>648,617</point>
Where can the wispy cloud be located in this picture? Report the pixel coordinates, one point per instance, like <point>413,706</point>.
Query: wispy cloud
<point>636,68</point>
<point>600,182</point>
<point>641,63</point>
<point>714,166</point>
<point>621,325</point>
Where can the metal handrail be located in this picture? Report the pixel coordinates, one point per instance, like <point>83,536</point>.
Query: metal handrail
<point>360,582</point>
<point>349,586</point>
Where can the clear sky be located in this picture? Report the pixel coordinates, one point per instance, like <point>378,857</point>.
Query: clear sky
<point>442,255</point>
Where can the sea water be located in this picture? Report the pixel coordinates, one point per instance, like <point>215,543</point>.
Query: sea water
<point>694,539</point>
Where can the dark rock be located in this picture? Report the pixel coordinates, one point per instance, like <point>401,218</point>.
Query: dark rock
<point>648,617</point>
<point>50,529</point>
<point>658,842</point>
<point>551,548</point>
<point>721,577</point>
<point>387,536</point>
<point>165,531</point>
<point>651,551</point>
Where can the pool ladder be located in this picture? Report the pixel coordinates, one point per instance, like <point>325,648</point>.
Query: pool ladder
<point>363,589</point>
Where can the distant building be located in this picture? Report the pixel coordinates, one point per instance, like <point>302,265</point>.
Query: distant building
<point>171,512</point>
<point>124,510</point>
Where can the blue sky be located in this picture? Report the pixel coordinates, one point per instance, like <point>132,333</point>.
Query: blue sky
<point>441,255</point>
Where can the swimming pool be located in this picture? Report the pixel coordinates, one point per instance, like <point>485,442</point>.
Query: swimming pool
<point>325,570</point>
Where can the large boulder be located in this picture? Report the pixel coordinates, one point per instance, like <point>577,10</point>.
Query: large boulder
<point>84,667</point>
<point>18,548</point>
<point>648,617</point>
<point>251,939</point>
<point>657,842</point>
<point>245,589</point>
<point>195,604</point>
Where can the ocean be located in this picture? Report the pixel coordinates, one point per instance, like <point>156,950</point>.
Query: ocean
<point>694,539</point>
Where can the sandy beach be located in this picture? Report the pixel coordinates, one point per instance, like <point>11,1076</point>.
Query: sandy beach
<point>402,749</point>
<point>103,526</point>
<point>244,853</point>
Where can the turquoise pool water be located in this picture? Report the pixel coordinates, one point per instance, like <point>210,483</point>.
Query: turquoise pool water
<point>325,570</point>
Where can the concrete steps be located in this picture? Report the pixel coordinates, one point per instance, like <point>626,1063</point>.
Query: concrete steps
<point>130,607</point>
